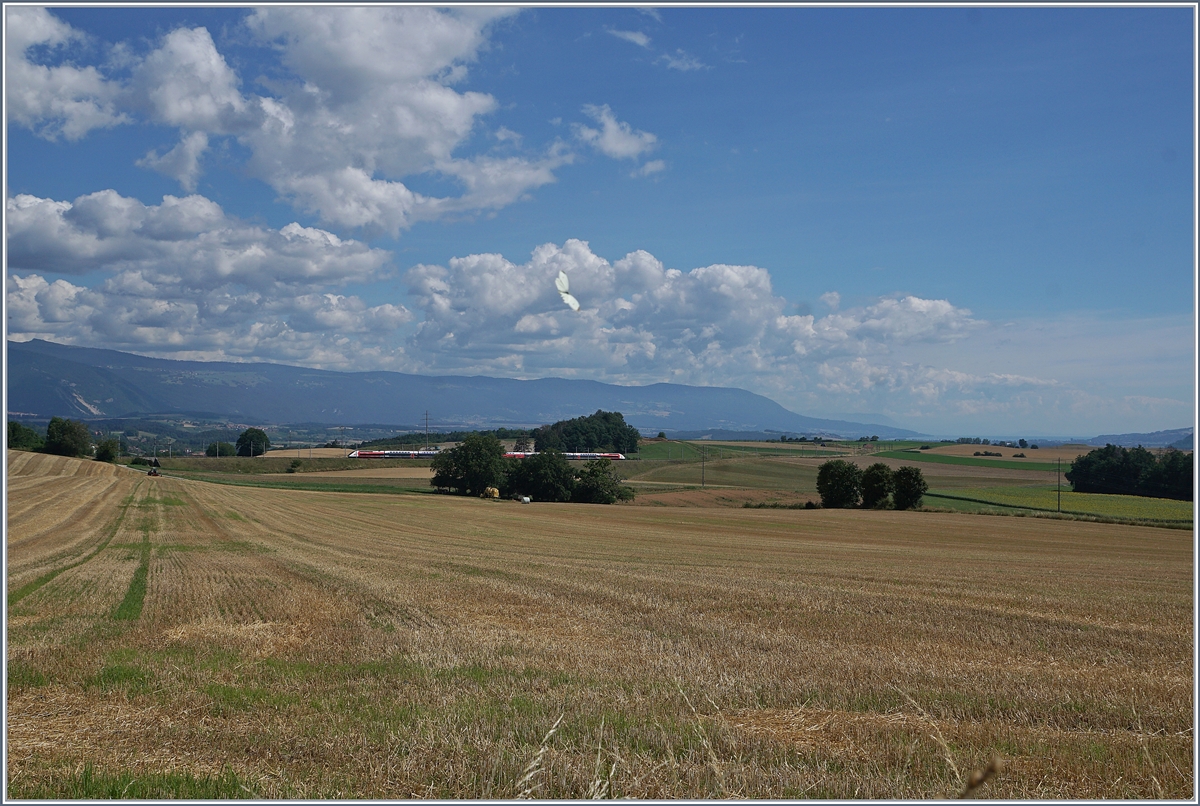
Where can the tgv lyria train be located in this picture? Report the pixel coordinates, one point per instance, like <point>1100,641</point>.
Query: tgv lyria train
<point>522,455</point>
<point>510,455</point>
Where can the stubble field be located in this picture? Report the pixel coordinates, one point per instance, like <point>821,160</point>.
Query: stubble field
<point>169,636</point>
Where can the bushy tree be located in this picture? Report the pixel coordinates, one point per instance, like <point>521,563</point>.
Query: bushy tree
<point>598,483</point>
<point>909,487</point>
<point>471,466</point>
<point>602,431</point>
<point>220,449</point>
<point>23,438</point>
<point>253,442</point>
<point>877,485</point>
<point>1171,477</point>
<point>108,450</point>
<point>1111,469</point>
<point>839,483</point>
<point>545,476</point>
<point>67,437</point>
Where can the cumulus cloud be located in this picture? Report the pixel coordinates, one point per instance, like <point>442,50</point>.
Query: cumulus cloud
<point>186,83</point>
<point>60,100</point>
<point>643,322</point>
<point>182,278</point>
<point>371,103</point>
<point>187,240</point>
<point>614,138</point>
<point>636,37</point>
<point>181,163</point>
<point>364,99</point>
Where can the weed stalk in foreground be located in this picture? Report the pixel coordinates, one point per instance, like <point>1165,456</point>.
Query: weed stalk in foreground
<point>528,783</point>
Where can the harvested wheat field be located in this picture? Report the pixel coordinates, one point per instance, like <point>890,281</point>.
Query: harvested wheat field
<point>178,638</point>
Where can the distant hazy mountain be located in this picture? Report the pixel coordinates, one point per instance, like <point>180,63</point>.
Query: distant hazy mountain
<point>1174,438</point>
<point>47,379</point>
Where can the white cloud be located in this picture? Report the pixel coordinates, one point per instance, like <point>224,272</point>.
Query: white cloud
<point>651,167</point>
<point>181,163</point>
<point>614,138</point>
<point>364,100</point>
<point>636,37</point>
<point>680,60</point>
<point>641,322</point>
<point>832,299</point>
<point>188,241</point>
<point>187,83</point>
<point>371,104</point>
<point>53,100</point>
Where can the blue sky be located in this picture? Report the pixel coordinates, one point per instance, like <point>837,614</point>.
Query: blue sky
<point>969,220</point>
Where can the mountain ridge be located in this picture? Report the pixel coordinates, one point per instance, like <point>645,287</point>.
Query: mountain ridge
<point>49,379</point>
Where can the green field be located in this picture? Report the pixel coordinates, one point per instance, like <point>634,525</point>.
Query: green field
<point>1045,498</point>
<point>976,461</point>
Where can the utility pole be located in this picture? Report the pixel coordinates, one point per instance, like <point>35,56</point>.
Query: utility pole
<point>1058,470</point>
<point>426,429</point>
<point>701,467</point>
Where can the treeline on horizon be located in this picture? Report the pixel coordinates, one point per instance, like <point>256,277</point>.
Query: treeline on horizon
<point>1134,471</point>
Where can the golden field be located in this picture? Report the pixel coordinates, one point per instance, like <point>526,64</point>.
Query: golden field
<point>242,641</point>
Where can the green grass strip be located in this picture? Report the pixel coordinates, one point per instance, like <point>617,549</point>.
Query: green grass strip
<point>92,784</point>
<point>1111,518</point>
<point>29,587</point>
<point>974,461</point>
<point>130,608</point>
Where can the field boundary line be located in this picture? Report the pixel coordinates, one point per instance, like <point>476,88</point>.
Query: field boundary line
<point>29,587</point>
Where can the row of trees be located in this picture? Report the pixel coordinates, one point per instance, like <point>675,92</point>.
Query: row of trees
<point>478,462</point>
<point>604,431</point>
<point>63,438</point>
<point>842,485</point>
<point>1137,471</point>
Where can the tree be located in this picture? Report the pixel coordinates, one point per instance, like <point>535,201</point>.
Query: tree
<point>1022,443</point>
<point>602,431</point>
<point>253,442</point>
<point>877,485</point>
<point>598,483</point>
<point>545,476</point>
<point>1171,476</point>
<point>839,484</point>
<point>23,438</point>
<point>471,466</point>
<point>523,445</point>
<point>910,486</point>
<point>108,450</point>
<point>220,449</point>
<point>1111,469</point>
<point>67,437</point>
